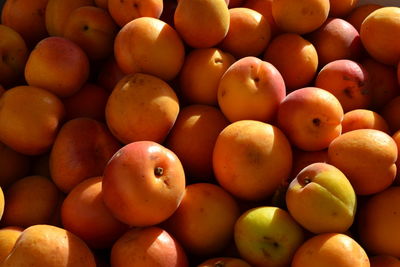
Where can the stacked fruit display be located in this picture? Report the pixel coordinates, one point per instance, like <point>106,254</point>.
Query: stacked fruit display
<point>199,133</point>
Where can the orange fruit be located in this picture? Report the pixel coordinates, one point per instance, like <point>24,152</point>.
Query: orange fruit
<point>330,249</point>
<point>363,119</point>
<point>359,13</point>
<point>367,157</point>
<point>391,113</point>
<point>251,159</point>
<point>380,33</point>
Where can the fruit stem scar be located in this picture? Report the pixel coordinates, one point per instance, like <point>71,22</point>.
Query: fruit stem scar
<point>316,121</point>
<point>307,180</point>
<point>158,171</point>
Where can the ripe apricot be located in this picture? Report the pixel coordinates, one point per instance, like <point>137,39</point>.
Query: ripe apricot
<point>13,165</point>
<point>341,8</point>
<point>30,118</point>
<point>377,223</point>
<point>348,81</point>
<point>141,107</point>
<point>330,249</point>
<point>251,159</point>
<point>367,157</point>
<point>193,137</point>
<point>359,13</point>
<point>380,33</point>
<point>264,7</point>
<point>294,57</point>
<point>30,200</point>
<point>8,237</point>
<point>203,223</point>
<point>363,119</point>
<point>391,113</point>
<point>300,17</point>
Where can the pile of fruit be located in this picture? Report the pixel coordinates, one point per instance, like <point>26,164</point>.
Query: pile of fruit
<point>199,133</point>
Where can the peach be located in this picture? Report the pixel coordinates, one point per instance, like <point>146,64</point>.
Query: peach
<point>14,54</point>
<point>124,11</point>
<point>321,199</point>
<point>367,157</point>
<point>330,249</point>
<point>203,223</point>
<point>225,262</point>
<point>90,101</point>
<point>93,29</point>
<point>347,80</point>
<point>27,18</point>
<point>391,113</point>
<point>143,183</point>
<point>264,7</point>
<point>57,13</point>
<point>336,39</point>
<point>8,237</point>
<point>30,200</point>
<point>141,107</point>
<point>57,65</point>
<point>248,35</point>
<point>84,213</point>
<point>30,118</point>
<point>295,58</point>
<point>358,14</point>
<point>51,246</point>
<point>251,89</point>
<point>267,236</point>
<point>363,119</point>
<point>13,165</point>
<point>380,33</point>
<point>251,159</point>
<point>377,223</point>
<point>149,45</point>
<point>148,246</point>
<point>200,75</point>
<point>300,17</point>
<point>383,82</point>
<point>311,118</point>
<point>192,138</point>
<point>81,150</point>
<point>202,23</point>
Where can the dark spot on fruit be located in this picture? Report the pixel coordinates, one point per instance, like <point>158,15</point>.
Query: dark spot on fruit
<point>218,60</point>
<point>316,122</point>
<point>135,5</point>
<point>85,27</point>
<point>347,92</point>
<point>166,182</point>
<point>158,171</point>
<point>223,93</point>
<point>256,79</point>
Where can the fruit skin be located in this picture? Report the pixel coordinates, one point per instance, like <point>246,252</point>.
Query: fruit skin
<point>84,213</point>
<point>267,236</point>
<point>14,53</point>
<point>348,81</point>
<point>202,23</point>
<point>357,16</point>
<point>321,199</point>
<point>251,159</point>
<point>148,246</point>
<point>390,112</point>
<point>340,8</point>
<point>203,223</point>
<point>311,118</point>
<point>1,203</point>
<point>143,183</point>
<point>363,119</point>
<point>248,35</point>
<point>200,75</point>
<point>380,33</point>
<point>125,11</point>
<point>330,249</point>
<point>57,65</point>
<point>13,165</point>
<point>384,261</point>
<point>294,57</point>
<point>251,89</point>
<point>377,223</point>
<point>51,246</point>
<point>141,107</point>
<point>8,237</point>
<point>149,45</point>
<point>367,157</point>
<point>300,16</point>
<point>81,150</point>
<point>33,128</point>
